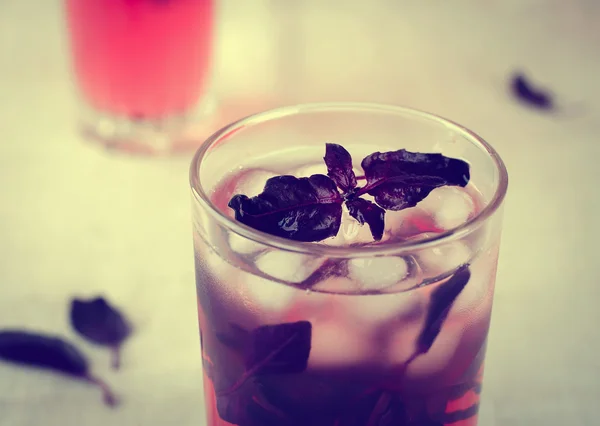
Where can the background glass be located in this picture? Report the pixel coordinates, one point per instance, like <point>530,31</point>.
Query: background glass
<point>142,68</point>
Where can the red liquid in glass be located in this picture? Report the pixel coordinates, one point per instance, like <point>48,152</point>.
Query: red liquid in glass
<point>143,59</point>
<point>360,370</point>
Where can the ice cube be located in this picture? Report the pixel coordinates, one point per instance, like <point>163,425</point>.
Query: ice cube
<point>335,344</point>
<point>214,262</point>
<point>215,275</point>
<point>318,169</point>
<point>267,297</point>
<point>450,206</point>
<point>394,220</point>
<point>311,169</point>
<point>210,250</point>
<point>252,182</point>
<point>353,232</point>
<point>377,273</point>
<point>336,241</point>
<point>285,266</point>
<point>443,258</point>
<point>337,285</point>
<point>400,223</point>
<point>374,309</point>
<point>350,232</point>
<point>403,224</point>
<point>244,246</point>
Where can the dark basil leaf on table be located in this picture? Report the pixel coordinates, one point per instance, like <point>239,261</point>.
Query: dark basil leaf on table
<point>101,323</point>
<point>53,353</point>
<point>528,94</point>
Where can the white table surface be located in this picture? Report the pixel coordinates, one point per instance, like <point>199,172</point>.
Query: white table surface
<point>77,220</point>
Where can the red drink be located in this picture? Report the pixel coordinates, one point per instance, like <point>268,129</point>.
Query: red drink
<point>141,59</point>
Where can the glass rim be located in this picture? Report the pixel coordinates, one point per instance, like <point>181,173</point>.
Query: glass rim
<point>310,248</point>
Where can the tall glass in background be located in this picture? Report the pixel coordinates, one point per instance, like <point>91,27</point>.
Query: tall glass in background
<point>384,345</point>
<point>142,68</point>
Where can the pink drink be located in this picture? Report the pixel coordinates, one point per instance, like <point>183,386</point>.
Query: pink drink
<point>326,333</point>
<point>142,59</point>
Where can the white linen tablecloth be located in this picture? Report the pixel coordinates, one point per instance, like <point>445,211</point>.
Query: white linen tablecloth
<point>77,220</point>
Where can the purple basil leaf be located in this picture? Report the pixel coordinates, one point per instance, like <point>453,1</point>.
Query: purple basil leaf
<point>529,95</point>
<point>400,179</point>
<point>301,209</point>
<point>236,338</point>
<point>100,323</point>
<point>365,211</point>
<point>279,349</point>
<point>37,350</point>
<point>339,166</point>
<point>274,349</point>
<point>29,349</point>
<point>233,407</point>
<point>442,299</point>
<point>399,198</point>
<point>248,406</point>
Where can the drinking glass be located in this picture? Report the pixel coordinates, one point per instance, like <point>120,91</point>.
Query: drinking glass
<point>142,69</point>
<point>351,333</point>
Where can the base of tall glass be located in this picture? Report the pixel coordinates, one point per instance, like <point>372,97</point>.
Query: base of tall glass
<point>172,134</point>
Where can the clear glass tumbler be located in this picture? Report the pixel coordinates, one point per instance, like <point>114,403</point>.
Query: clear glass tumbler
<point>345,331</point>
<point>142,69</point>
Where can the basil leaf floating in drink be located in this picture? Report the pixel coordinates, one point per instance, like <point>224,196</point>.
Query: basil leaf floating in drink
<point>233,407</point>
<point>400,179</point>
<point>270,349</point>
<point>248,407</point>
<point>365,211</point>
<point>279,349</point>
<point>339,167</point>
<point>310,209</point>
<point>442,300</point>
<point>276,349</point>
<point>52,353</point>
<point>100,323</point>
<point>305,209</point>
